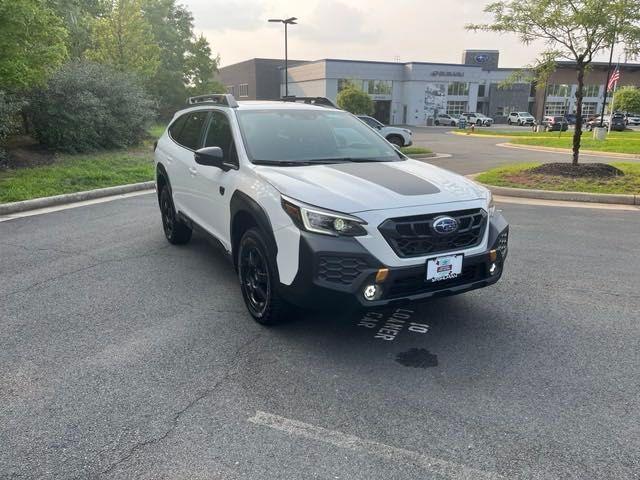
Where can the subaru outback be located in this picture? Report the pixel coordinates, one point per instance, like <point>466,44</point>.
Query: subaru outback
<point>315,208</point>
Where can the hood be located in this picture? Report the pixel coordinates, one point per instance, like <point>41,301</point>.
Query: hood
<point>357,187</point>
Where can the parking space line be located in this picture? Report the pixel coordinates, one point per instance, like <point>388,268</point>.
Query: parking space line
<point>357,444</point>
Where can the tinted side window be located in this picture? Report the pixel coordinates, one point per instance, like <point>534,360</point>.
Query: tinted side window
<point>369,121</point>
<point>219,135</point>
<point>176,127</point>
<point>192,131</point>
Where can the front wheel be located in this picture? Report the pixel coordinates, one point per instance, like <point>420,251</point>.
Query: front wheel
<point>509,121</point>
<point>453,124</point>
<point>259,280</point>
<point>397,141</point>
<point>479,123</point>
<point>437,123</point>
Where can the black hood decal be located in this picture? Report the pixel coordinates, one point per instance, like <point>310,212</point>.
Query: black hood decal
<point>385,176</point>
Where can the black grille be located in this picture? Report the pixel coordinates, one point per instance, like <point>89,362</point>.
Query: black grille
<point>340,269</point>
<point>415,237</point>
<point>418,284</point>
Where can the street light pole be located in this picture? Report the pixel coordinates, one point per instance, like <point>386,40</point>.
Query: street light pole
<point>286,22</point>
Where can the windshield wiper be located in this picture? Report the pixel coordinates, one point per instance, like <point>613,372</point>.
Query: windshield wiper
<point>291,163</point>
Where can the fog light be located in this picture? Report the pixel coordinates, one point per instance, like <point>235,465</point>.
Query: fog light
<point>492,269</point>
<point>372,292</point>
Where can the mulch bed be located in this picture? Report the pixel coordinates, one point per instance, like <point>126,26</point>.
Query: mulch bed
<point>594,170</point>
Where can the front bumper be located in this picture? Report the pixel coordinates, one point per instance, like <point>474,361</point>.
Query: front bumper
<point>333,271</point>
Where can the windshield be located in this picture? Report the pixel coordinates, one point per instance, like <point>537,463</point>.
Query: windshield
<point>524,114</point>
<point>291,136</point>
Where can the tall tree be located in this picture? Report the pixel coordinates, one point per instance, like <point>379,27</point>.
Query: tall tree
<point>79,17</point>
<point>124,39</point>
<point>627,99</point>
<point>201,68</point>
<point>32,43</point>
<point>575,30</point>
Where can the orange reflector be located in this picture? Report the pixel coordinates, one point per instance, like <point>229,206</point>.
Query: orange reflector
<point>493,254</point>
<point>381,276</point>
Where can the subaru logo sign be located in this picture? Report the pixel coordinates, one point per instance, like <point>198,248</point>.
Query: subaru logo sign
<point>445,225</point>
<point>482,58</point>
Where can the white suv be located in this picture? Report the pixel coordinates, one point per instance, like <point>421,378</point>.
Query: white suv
<point>478,119</point>
<point>315,208</point>
<point>401,137</point>
<point>521,118</point>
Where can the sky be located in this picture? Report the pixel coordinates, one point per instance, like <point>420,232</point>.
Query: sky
<point>384,30</point>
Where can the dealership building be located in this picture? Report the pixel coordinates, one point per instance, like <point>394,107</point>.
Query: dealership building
<point>412,93</point>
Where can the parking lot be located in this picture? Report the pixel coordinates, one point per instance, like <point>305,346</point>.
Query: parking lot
<point>124,357</point>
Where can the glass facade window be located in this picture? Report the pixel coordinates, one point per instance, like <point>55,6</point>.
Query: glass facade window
<point>555,108</point>
<point>456,107</point>
<point>243,89</point>
<point>345,82</point>
<point>481,90</point>
<point>589,108</point>
<point>591,90</point>
<point>372,87</point>
<point>558,90</point>
<point>458,88</point>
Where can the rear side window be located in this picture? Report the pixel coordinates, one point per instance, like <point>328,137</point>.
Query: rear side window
<point>176,127</point>
<point>190,134</point>
<point>219,135</point>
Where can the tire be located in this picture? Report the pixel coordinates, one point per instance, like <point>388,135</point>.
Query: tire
<point>508,121</point>
<point>479,123</point>
<point>177,232</point>
<point>396,140</point>
<point>436,123</point>
<point>258,277</point>
<point>453,124</point>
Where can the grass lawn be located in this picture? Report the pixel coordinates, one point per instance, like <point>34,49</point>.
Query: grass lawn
<point>75,173</point>
<point>519,176</point>
<point>415,150</point>
<point>617,142</point>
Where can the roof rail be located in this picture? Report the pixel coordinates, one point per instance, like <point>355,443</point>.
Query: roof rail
<point>320,101</point>
<point>216,98</point>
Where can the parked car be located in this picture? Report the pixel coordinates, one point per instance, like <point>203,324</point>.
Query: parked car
<point>478,119</point>
<point>595,122</point>
<point>554,123</point>
<point>618,122</point>
<point>521,118</point>
<point>401,137</point>
<point>314,208</point>
<point>632,119</point>
<point>446,119</point>
<point>571,118</point>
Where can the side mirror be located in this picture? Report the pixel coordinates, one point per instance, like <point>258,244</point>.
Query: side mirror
<point>211,157</point>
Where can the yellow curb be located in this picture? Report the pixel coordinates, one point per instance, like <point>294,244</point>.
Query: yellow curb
<point>535,148</point>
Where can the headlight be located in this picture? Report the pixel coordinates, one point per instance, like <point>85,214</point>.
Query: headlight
<point>316,220</point>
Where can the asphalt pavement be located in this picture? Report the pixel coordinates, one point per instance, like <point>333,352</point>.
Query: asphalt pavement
<point>123,357</point>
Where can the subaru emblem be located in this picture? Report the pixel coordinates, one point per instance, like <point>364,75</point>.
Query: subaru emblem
<point>445,225</point>
<point>482,58</point>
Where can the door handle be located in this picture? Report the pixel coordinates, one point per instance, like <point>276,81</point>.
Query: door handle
<point>193,170</point>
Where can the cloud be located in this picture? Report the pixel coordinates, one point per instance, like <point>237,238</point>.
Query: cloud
<point>223,15</point>
<point>336,22</point>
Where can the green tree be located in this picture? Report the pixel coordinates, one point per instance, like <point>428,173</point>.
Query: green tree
<point>575,30</point>
<point>124,39</point>
<point>79,17</point>
<point>627,99</point>
<point>201,67</point>
<point>32,43</point>
<point>354,100</point>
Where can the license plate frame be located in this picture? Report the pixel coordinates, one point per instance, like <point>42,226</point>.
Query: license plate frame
<point>443,267</point>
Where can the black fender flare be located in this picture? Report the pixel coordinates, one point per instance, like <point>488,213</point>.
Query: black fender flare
<point>242,204</point>
<point>162,172</point>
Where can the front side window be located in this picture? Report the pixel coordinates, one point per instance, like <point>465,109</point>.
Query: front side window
<point>191,133</point>
<point>219,135</point>
<point>290,136</point>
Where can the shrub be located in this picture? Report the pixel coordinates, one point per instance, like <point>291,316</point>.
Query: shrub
<point>9,108</point>
<point>87,107</point>
<point>354,100</point>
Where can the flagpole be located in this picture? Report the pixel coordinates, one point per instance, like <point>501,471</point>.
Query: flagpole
<point>616,73</point>
<point>606,85</point>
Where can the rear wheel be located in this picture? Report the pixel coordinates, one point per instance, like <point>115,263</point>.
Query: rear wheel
<point>508,121</point>
<point>259,280</point>
<point>437,123</point>
<point>479,123</point>
<point>453,124</point>
<point>175,230</point>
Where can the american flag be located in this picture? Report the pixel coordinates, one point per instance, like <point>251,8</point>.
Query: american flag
<point>613,79</point>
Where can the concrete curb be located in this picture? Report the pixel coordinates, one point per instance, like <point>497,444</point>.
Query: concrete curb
<point>594,153</point>
<point>421,155</point>
<point>15,207</point>
<point>609,198</point>
<point>489,135</point>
